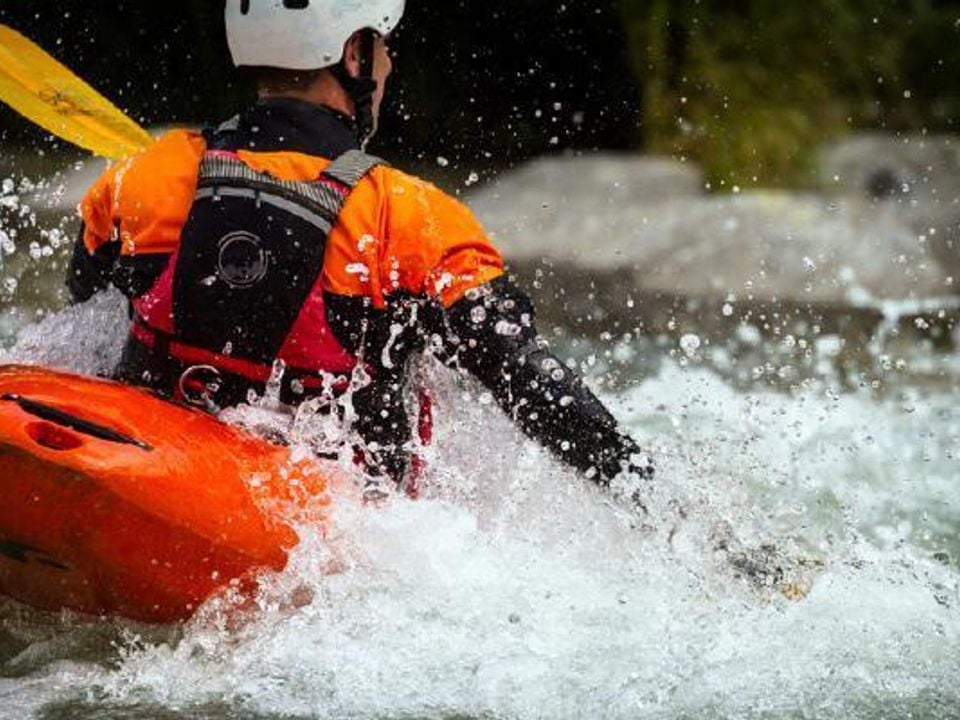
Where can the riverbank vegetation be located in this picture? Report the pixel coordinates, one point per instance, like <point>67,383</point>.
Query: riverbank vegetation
<point>750,88</point>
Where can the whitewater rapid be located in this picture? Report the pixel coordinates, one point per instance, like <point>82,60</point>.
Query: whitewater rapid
<point>513,589</point>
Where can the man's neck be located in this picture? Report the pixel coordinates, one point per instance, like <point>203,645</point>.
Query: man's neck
<point>325,91</point>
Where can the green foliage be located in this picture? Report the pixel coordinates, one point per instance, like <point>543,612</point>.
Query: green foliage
<point>749,89</point>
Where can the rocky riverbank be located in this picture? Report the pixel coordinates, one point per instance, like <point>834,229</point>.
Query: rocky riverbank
<point>850,273</point>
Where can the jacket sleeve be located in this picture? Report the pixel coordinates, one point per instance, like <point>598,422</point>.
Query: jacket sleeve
<point>132,217</point>
<point>97,247</point>
<point>491,333</point>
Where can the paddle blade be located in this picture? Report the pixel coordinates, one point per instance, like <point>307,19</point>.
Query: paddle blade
<point>49,94</point>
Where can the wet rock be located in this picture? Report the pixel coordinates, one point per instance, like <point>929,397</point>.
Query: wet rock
<point>756,245</point>
<point>915,177</point>
<point>800,269</point>
<point>550,185</point>
<point>881,166</point>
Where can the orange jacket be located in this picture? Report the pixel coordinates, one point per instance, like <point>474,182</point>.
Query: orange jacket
<point>396,232</point>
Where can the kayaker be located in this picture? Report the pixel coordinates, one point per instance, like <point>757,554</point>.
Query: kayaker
<point>275,237</point>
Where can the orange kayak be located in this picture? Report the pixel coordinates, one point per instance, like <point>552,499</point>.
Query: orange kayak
<point>115,502</point>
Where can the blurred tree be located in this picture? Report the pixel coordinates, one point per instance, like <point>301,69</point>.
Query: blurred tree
<point>750,87</point>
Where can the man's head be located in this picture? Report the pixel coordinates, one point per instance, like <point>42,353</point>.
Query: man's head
<point>326,50</point>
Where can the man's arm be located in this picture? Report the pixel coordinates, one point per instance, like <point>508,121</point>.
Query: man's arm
<point>491,333</point>
<point>130,226</point>
<point>441,285</point>
<point>385,341</point>
<point>89,273</point>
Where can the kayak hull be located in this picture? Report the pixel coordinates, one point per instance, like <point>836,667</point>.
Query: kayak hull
<point>115,502</point>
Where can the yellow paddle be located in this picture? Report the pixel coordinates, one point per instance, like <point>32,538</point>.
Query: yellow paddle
<point>46,92</point>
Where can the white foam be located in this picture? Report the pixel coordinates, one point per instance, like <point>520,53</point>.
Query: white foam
<point>84,338</point>
<point>516,589</point>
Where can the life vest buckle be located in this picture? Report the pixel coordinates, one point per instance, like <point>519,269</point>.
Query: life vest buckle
<point>199,385</point>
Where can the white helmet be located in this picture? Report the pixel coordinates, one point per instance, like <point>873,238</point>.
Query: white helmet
<point>302,34</point>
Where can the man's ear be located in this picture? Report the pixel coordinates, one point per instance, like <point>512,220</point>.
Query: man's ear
<point>351,55</point>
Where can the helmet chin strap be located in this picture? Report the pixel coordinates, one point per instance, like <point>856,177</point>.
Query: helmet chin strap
<point>361,89</point>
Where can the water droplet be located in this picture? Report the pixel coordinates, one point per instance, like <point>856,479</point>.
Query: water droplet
<point>690,344</point>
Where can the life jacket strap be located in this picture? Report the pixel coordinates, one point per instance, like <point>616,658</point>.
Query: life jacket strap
<point>325,196</point>
<point>174,361</point>
<point>351,167</point>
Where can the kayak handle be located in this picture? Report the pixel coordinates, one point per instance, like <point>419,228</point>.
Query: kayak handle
<point>60,417</point>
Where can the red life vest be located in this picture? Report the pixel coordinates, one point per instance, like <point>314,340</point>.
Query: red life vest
<point>243,288</point>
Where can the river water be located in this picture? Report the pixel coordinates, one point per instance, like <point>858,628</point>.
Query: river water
<point>798,559</point>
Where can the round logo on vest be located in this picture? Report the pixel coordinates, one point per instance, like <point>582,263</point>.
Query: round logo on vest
<point>242,262</point>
